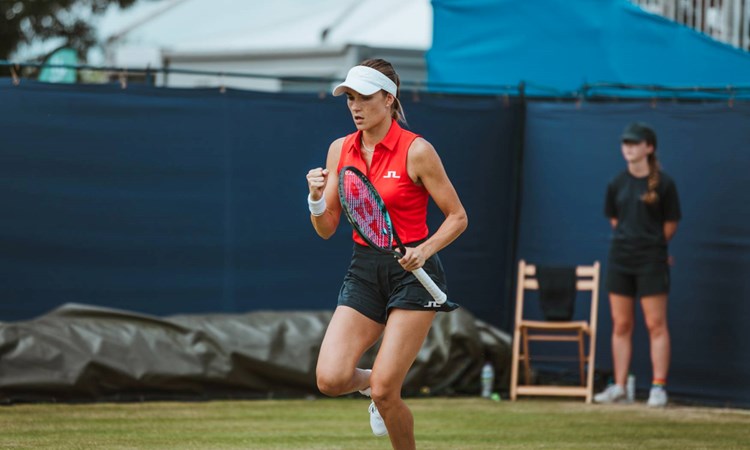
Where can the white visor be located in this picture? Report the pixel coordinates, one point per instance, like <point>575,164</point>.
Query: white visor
<point>366,81</point>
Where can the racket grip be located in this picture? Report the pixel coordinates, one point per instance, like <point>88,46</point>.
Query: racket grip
<point>430,285</point>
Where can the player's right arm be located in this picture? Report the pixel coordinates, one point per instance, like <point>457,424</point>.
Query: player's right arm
<point>324,183</point>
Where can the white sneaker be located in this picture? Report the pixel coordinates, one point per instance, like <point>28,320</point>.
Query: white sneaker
<point>613,394</point>
<point>657,398</point>
<point>376,422</point>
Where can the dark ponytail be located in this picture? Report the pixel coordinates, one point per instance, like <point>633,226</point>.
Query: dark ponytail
<point>386,68</point>
<point>651,197</point>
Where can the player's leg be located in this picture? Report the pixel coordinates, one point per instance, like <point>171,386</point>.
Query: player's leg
<point>622,289</point>
<point>655,315</point>
<point>347,338</point>
<point>404,335</point>
<point>622,309</point>
<point>623,319</point>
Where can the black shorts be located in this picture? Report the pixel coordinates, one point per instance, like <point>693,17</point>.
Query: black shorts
<point>653,282</point>
<point>376,283</point>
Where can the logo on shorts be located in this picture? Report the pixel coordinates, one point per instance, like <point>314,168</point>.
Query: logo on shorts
<point>391,174</point>
<point>432,304</point>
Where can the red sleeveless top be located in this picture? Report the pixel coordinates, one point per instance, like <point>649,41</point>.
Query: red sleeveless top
<point>406,202</point>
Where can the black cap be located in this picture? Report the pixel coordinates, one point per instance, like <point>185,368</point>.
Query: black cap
<point>639,132</point>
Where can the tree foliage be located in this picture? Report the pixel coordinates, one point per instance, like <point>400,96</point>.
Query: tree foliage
<point>30,20</point>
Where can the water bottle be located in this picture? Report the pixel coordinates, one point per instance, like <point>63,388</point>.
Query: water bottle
<point>630,388</point>
<point>488,379</point>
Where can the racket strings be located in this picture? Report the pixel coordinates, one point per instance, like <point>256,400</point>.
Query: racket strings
<point>366,212</point>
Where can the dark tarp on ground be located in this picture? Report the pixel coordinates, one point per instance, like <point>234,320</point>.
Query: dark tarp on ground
<point>570,154</point>
<point>166,201</point>
<point>80,352</point>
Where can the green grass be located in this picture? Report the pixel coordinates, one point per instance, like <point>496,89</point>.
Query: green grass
<point>441,423</point>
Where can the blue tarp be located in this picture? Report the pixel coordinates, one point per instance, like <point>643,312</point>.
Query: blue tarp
<point>557,46</point>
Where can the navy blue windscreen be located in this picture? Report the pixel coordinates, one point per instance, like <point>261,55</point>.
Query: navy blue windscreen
<point>571,152</point>
<point>168,201</point>
<point>479,152</point>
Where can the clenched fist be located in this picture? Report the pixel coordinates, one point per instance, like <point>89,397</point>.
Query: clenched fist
<point>316,182</point>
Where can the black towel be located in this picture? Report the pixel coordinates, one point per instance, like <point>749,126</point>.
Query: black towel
<point>557,292</point>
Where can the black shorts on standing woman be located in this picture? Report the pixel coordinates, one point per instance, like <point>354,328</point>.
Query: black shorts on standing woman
<point>638,258</point>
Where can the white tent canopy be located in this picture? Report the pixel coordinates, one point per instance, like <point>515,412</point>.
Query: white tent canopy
<point>283,37</point>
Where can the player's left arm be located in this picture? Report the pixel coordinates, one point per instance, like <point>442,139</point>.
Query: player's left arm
<point>425,168</point>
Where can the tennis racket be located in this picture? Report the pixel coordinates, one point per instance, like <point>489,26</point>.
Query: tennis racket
<point>366,212</point>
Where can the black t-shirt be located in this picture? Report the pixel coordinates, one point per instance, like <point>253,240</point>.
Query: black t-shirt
<point>638,243</point>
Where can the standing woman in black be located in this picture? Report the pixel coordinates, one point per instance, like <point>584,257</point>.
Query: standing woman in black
<point>643,208</point>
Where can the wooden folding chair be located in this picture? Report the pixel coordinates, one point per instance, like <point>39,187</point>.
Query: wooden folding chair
<point>587,280</point>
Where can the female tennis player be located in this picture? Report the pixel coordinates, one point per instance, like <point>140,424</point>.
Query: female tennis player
<point>379,295</point>
<point>643,208</point>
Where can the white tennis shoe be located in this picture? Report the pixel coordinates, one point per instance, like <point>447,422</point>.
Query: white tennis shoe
<point>376,421</point>
<point>613,394</point>
<point>657,397</point>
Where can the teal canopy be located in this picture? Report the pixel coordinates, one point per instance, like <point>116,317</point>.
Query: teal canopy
<point>559,47</point>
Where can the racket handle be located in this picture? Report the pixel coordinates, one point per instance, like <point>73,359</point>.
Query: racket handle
<point>430,285</point>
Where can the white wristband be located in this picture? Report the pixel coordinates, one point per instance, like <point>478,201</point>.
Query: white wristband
<point>317,207</point>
